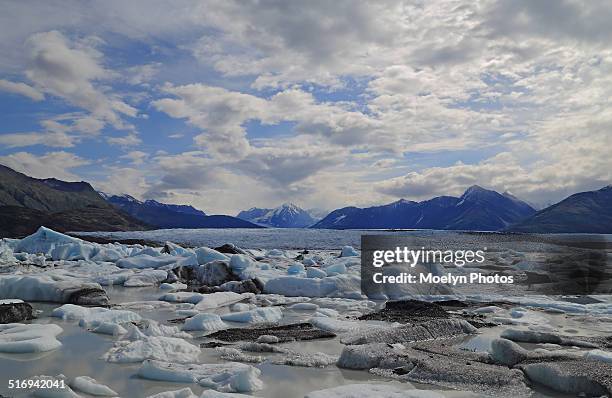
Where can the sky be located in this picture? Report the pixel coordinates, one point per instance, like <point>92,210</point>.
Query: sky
<point>227,105</point>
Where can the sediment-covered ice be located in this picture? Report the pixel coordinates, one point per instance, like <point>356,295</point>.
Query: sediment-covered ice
<point>224,377</point>
<point>572,377</point>
<point>599,355</point>
<point>16,338</point>
<point>368,356</point>
<point>532,336</point>
<point>344,326</point>
<point>91,386</point>
<point>437,328</point>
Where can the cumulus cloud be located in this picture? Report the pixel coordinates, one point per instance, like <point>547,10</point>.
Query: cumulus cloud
<point>69,69</point>
<point>49,165</point>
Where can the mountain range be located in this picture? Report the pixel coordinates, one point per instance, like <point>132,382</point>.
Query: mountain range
<point>26,203</point>
<point>161,215</point>
<point>286,215</point>
<point>477,209</point>
<point>585,212</point>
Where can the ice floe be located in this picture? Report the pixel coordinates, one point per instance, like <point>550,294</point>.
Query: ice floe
<point>257,315</point>
<point>372,390</point>
<point>91,386</point>
<point>163,348</point>
<point>18,338</point>
<point>94,316</point>
<point>224,377</point>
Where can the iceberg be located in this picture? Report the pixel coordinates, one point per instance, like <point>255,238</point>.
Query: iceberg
<point>51,288</point>
<point>206,255</point>
<point>205,322</point>
<point>349,251</point>
<point>44,241</point>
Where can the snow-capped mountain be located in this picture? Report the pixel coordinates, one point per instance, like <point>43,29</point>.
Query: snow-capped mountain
<point>477,209</point>
<point>162,215</point>
<point>286,215</point>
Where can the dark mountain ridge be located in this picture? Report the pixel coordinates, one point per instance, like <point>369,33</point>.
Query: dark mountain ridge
<point>584,212</point>
<point>163,215</point>
<point>477,209</point>
<point>26,203</point>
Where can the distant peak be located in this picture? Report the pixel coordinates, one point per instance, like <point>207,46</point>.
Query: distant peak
<point>475,188</point>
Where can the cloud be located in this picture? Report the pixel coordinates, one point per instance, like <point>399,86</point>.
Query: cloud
<point>349,102</point>
<point>127,140</point>
<point>69,70</point>
<point>50,139</point>
<point>136,157</point>
<point>21,89</point>
<point>50,165</point>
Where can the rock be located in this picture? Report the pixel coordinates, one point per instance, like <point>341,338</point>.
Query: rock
<point>246,286</point>
<point>89,296</point>
<point>230,248</point>
<point>407,311</point>
<point>215,273</point>
<point>15,312</point>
